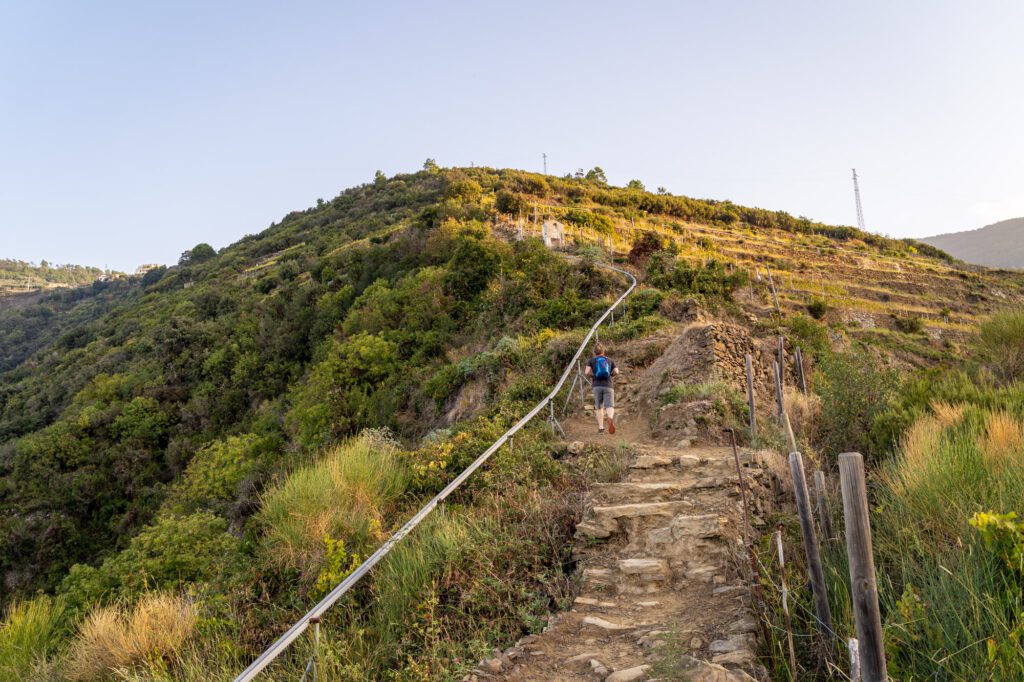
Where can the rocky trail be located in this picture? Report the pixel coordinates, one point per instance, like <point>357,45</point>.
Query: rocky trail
<point>660,562</point>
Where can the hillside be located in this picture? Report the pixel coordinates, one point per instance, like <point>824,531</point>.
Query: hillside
<point>18,276</point>
<point>251,423</point>
<point>999,245</point>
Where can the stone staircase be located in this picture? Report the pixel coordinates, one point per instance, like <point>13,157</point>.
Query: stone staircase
<point>659,557</point>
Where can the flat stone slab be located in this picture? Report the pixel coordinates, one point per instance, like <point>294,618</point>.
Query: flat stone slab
<point>596,622</point>
<point>628,674</point>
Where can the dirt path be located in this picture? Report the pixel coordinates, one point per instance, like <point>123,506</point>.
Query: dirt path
<point>658,566</point>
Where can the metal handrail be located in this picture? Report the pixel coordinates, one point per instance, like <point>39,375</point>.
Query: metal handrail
<point>314,614</point>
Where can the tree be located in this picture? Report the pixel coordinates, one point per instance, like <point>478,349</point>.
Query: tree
<point>431,166</point>
<point>379,178</point>
<point>662,190</point>
<point>636,184</point>
<point>197,254</point>
<point>597,175</point>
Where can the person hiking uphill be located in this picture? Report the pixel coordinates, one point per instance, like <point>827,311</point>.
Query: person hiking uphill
<point>602,370</point>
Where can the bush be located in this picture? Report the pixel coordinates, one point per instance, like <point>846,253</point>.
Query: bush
<point>909,325</point>
<point>346,495</point>
<point>174,551</point>
<point>1001,344</point>
<point>817,308</point>
<point>854,388</point>
<point>711,280</point>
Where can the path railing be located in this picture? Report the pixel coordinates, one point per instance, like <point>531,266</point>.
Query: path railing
<point>314,615</point>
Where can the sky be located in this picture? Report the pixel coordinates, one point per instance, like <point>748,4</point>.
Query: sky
<point>131,131</point>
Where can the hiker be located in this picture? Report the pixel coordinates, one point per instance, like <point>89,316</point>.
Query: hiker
<point>601,369</point>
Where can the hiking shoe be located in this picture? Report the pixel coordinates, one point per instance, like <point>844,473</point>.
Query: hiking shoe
<point>600,430</point>
<point>611,425</point>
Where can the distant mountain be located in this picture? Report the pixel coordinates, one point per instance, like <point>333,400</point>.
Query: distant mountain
<point>1000,245</point>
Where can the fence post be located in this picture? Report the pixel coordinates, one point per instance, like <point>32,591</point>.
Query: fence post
<point>785,602</point>
<point>775,294</point>
<point>862,568</point>
<point>782,363</point>
<point>799,358</point>
<point>750,397</point>
<point>823,511</point>
<point>814,570</point>
<point>854,660</point>
<point>776,372</point>
<point>789,432</point>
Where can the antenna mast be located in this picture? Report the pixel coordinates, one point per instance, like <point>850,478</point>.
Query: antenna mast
<point>856,195</point>
<point>545,163</point>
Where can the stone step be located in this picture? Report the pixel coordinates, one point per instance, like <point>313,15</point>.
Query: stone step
<point>603,522</point>
<point>644,576</point>
<point>629,492</point>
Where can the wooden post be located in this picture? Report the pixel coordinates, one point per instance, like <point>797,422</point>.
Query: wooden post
<point>799,359</point>
<point>854,660</point>
<point>750,397</point>
<point>824,517</point>
<point>775,294</point>
<point>862,568</point>
<point>785,603</point>
<point>782,362</point>
<point>814,570</point>
<point>778,387</point>
<point>788,428</point>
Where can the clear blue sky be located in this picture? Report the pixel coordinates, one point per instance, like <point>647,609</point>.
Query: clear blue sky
<point>129,131</point>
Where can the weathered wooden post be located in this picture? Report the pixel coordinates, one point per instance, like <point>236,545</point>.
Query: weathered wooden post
<point>750,397</point>
<point>785,602</point>
<point>810,537</point>
<point>862,568</point>
<point>790,436</point>
<point>782,363</point>
<point>824,516</point>
<point>799,359</point>
<point>778,387</point>
<point>775,294</point>
<point>854,660</point>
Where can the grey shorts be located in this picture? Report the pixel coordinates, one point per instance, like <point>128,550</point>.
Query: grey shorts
<point>604,396</point>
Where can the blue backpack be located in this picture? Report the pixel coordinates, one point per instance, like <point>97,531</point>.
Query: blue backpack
<point>602,368</point>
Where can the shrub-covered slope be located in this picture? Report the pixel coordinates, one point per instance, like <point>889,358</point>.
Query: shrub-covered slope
<point>199,427</point>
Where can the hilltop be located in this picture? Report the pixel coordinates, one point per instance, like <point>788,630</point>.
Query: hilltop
<point>999,245</point>
<point>252,422</point>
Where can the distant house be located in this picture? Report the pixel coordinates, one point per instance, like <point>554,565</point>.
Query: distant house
<point>553,233</point>
<point>143,269</point>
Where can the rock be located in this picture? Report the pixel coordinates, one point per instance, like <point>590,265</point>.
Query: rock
<point>651,461</point>
<point>731,643</point>
<point>696,643</point>
<point>629,674</point>
<point>646,569</point>
<point>740,657</point>
<point>514,653</point>
<point>745,625</point>
<point>581,658</point>
<point>598,667</point>
<point>576,447</point>
<point>491,665</point>
<point>605,624</point>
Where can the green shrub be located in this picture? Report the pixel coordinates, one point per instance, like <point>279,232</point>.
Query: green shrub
<point>711,280</point>
<point>213,477</point>
<point>174,551</point>
<point>1001,344</point>
<point>909,325</point>
<point>809,335</point>
<point>817,308</point>
<point>855,388</point>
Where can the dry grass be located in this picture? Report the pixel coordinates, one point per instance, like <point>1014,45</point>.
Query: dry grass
<point>948,414</point>
<point>803,411</point>
<point>1003,443</point>
<point>116,637</point>
<point>918,448</point>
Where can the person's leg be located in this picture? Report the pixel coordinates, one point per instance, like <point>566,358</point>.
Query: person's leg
<point>599,407</point>
<point>609,408</point>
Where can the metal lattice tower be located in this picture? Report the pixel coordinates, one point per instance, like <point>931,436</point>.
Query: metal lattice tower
<point>545,163</point>
<point>856,195</point>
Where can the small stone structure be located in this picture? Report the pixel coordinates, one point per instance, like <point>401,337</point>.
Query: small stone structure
<point>553,233</point>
